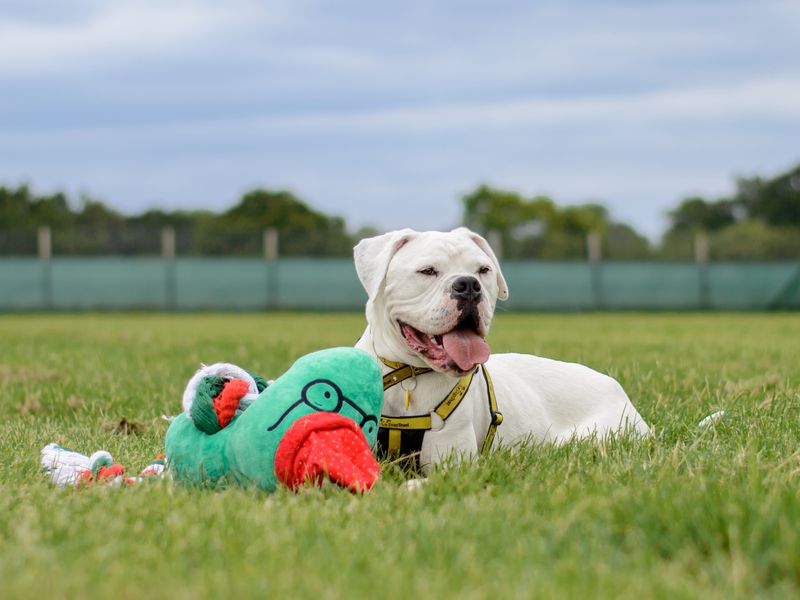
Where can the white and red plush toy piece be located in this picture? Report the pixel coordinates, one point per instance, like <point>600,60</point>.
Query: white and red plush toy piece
<point>69,468</point>
<point>227,371</point>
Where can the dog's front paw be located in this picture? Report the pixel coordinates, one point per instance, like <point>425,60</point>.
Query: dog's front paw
<point>415,484</point>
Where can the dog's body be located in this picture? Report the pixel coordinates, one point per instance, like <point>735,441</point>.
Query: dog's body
<point>431,300</point>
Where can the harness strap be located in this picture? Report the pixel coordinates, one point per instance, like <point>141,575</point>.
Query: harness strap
<point>495,416</point>
<point>400,372</point>
<point>396,425</point>
<point>393,429</point>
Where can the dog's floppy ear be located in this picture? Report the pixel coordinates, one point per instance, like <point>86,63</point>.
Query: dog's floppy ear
<point>373,255</point>
<point>502,286</point>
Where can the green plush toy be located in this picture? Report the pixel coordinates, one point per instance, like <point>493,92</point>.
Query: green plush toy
<point>318,421</point>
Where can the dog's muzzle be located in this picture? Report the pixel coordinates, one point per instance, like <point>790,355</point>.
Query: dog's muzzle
<point>466,290</point>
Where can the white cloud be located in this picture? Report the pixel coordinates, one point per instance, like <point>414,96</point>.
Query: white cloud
<point>773,98</point>
<point>135,30</point>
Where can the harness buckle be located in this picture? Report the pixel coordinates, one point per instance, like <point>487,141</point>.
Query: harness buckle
<point>437,422</point>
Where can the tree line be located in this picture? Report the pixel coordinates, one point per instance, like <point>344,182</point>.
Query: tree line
<point>95,228</point>
<point>760,220</point>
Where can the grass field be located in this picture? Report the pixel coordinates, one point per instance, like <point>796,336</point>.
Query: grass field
<point>711,513</point>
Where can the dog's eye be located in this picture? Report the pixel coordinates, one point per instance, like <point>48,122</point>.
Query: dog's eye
<point>484,270</point>
<point>428,271</point>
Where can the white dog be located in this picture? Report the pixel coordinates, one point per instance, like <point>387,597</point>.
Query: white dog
<point>431,300</point>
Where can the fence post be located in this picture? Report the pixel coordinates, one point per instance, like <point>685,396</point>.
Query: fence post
<point>594,251</point>
<point>270,243</point>
<point>701,255</point>
<point>170,275</point>
<point>44,242</point>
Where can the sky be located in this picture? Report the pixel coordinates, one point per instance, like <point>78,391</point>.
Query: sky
<point>388,113</point>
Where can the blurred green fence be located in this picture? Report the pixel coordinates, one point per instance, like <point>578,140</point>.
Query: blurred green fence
<point>331,284</point>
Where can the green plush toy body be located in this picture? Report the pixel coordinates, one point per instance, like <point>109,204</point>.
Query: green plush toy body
<point>219,443</point>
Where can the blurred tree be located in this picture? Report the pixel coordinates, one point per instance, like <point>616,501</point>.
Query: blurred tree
<point>366,231</point>
<point>761,221</point>
<point>536,227</point>
<point>775,201</point>
<point>623,242</point>
<point>302,231</point>
<point>94,213</point>
<point>97,229</point>
<point>489,209</point>
<point>52,210</point>
<point>17,225</point>
<point>755,240</point>
<point>144,230</point>
<point>697,214</point>
<point>157,219</point>
<point>15,207</point>
<point>554,244</point>
<point>581,219</point>
<point>677,245</point>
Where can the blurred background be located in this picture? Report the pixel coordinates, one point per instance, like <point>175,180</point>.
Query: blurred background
<point>193,155</point>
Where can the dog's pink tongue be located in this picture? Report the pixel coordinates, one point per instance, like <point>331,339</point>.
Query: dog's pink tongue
<point>466,348</point>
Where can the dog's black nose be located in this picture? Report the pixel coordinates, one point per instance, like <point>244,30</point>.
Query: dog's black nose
<point>467,288</point>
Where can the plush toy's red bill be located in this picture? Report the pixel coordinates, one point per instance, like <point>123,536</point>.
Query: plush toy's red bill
<point>326,445</point>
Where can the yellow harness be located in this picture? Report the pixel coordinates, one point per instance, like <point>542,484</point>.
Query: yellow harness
<point>402,436</point>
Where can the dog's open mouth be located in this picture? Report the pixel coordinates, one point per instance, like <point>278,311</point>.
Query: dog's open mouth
<point>460,349</point>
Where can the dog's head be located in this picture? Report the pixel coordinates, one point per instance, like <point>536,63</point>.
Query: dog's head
<point>431,296</point>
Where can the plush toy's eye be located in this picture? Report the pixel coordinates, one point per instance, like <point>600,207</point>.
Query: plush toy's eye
<point>430,271</point>
<point>323,395</point>
<point>369,428</point>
